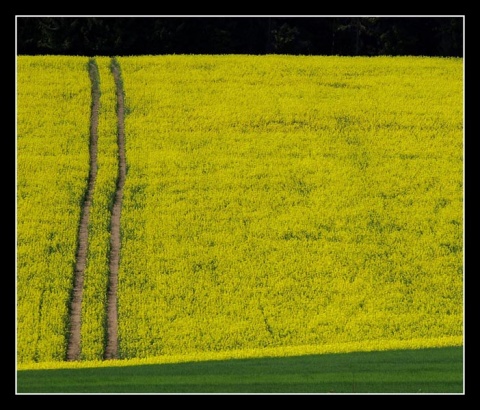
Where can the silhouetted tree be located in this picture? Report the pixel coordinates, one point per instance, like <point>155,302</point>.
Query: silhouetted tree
<point>439,36</point>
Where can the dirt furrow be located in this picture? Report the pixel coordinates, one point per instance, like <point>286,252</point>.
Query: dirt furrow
<point>73,348</point>
<point>111,351</point>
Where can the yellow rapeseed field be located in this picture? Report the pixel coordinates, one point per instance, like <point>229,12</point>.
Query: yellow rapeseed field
<point>273,205</point>
<point>53,116</point>
<point>287,201</point>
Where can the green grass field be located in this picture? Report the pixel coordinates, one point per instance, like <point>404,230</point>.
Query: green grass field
<point>437,370</point>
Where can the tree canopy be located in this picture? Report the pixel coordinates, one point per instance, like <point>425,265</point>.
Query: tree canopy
<point>369,36</point>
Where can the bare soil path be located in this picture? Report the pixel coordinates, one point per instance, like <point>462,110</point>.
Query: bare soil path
<point>111,351</point>
<point>73,348</point>
<point>74,340</point>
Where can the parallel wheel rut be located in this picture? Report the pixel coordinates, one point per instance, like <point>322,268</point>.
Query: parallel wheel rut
<point>74,340</point>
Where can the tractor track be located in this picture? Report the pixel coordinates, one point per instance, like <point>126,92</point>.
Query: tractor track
<point>111,350</point>
<point>73,347</point>
<point>111,333</point>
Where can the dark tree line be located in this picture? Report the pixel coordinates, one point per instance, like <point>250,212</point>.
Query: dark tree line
<point>432,36</point>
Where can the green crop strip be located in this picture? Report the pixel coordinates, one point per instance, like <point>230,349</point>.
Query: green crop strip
<point>422,371</point>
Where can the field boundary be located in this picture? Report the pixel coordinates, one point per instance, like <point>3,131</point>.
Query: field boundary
<point>272,352</point>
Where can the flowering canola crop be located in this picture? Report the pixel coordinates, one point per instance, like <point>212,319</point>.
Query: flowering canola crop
<point>273,205</point>
<point>53,116</point>
<point>279,201</point>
